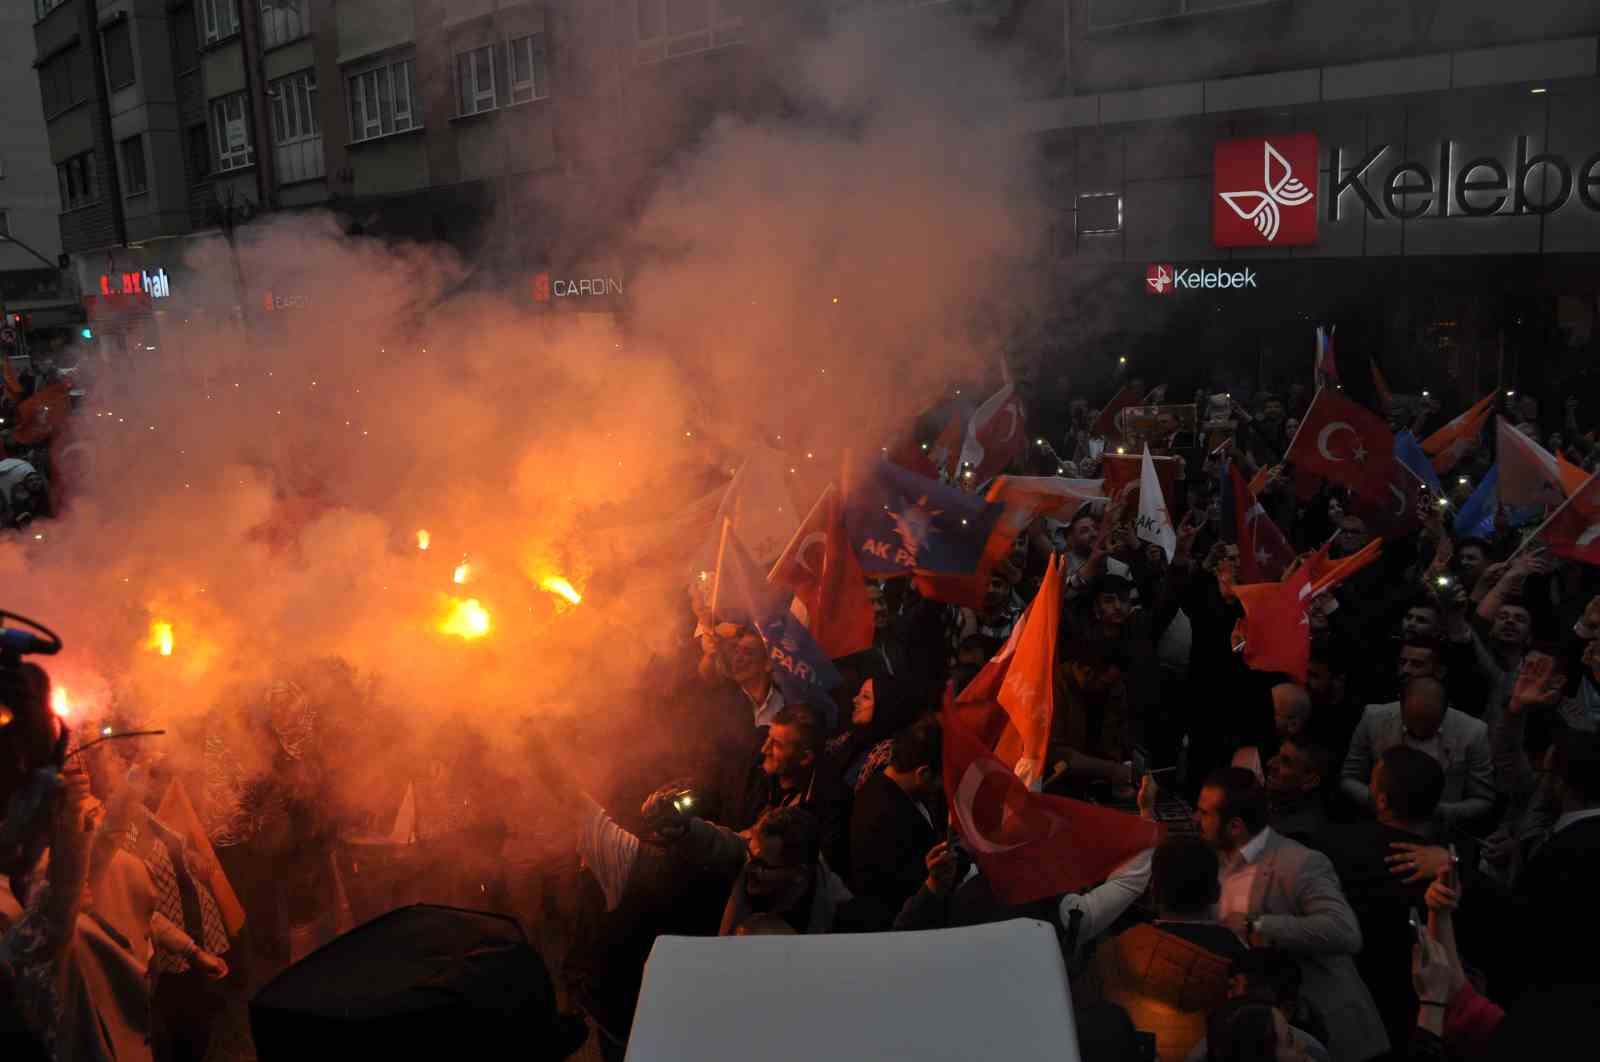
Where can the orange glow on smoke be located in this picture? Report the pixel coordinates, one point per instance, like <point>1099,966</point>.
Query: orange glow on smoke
<point>160,638</point>
<point>561,588</point>
<point>467,619</point>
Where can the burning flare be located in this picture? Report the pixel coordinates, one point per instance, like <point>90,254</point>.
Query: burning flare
<point>465,619</point>
<point>160,637</point>
<point>60,703</point>
<point>561,588</point>
<point>423,538</point>
<point>463,573</point>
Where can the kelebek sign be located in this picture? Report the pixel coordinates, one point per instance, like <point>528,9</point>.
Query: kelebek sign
<point>1164,279</point>
<point>1264,191</point>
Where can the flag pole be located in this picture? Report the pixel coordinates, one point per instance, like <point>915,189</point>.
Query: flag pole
<point>1558,511</point>
<point>722,548</point>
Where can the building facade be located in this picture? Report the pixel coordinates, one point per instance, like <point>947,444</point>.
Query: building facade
<point>1424,175</point>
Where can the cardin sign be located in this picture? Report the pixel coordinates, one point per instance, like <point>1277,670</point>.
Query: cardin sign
<point>547,287</point>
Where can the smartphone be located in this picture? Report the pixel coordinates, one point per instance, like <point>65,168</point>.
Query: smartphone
<point>1416,921</point>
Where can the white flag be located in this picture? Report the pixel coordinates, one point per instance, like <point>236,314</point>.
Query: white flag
<point>1155,523</point>
<point>757,502</point>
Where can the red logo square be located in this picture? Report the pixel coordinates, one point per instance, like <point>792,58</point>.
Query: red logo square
<point>1158,280</point>
<point>1265,191</point>
<point>541,287</point>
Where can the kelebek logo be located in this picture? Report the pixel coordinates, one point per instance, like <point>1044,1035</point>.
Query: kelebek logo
<point>1158,280</point>
<point>1264,192</point>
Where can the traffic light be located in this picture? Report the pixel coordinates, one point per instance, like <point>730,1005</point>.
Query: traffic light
<point>86,332</point>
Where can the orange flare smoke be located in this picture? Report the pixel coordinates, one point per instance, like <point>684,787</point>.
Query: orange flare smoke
<point>160,638</point>
<point>466,619</point>
<point>59,702</point>
<point>561,588</point>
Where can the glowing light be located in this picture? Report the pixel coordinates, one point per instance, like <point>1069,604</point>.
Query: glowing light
<point>561,588</point>
<point>423,538</point>
<point>160,637</point>
<point>463,573</point>
<point>60,703</point>
<point>467,619</point>
<point>1121,450</point>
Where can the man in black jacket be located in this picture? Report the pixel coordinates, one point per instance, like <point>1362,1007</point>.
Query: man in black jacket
<point>792,772</point>
<point>1407,784</point>
<point>898,817</point>
<point>1551,894</point>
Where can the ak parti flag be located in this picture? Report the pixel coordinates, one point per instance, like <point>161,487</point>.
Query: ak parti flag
<point>1029,845</point>
<point>1530,474</point>
<point>740,595</point>
<point>1447,445</point>
<point>1009,704</point>
<point>1344,442</point>
<point>822,570</point>
<point>901,523</point>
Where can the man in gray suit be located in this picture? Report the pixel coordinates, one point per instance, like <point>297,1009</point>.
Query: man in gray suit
<point>1421,720</point>
<point>1279,893</point>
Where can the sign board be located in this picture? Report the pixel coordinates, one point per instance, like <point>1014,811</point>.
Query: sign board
<point>1264,192</point>
<point>551,287</point>
<point>1164,279</point>
<point>236,134</point>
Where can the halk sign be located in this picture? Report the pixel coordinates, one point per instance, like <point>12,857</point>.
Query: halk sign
<point>1163,279</point>
<point>1264,192</point>
<point>1477,187</point>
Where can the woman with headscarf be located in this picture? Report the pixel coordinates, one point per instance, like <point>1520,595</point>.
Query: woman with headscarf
<point>882,706</point>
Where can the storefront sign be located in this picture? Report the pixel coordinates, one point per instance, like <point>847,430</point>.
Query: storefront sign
<point>1478,187</point>
<point>271,302</point>
<point>1164,279</point>
<point>545,288</point>
<point>156,285</point>
<point>1263,192</point>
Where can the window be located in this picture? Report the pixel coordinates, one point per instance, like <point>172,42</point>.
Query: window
<point>1099,214</point>
<point>221,18</point>
<point>185,40</point>
<point>41,8</point>
<point>231,126</point>
<point>198,141</point>
<point>1105,14</point>
<point>118,45</point>
<point>135,178</point>
<point>383,100</point>
<point>475,81</point>
<point>58,83</point>
<point>76,177</point>
<point>530,78</point>
<point>296,127</point>
<point>666,28</point>
<point>283,21</point>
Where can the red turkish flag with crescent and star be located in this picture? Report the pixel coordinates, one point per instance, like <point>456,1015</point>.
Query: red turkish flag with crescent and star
<point>1030,845</point>
<point>1574,531</point>
<point>1346,443</point>
<point>822,570</point>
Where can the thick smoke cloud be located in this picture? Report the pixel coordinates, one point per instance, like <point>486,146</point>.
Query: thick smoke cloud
<point>262,491</point>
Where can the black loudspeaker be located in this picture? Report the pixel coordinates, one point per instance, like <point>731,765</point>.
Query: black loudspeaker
<point>419,982</point>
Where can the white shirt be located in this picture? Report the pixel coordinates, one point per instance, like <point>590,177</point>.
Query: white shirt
<point>1105,903</point>
<point>1239,875</point>
<point>766,711</point>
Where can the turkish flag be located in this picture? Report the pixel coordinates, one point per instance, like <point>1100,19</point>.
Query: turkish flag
<point>1574,530</point>
<point>1105,424</point>
<point>1012,699</point>
<point>822,570</point>
<point>997,433</point>
<point>1346,443</point>
<point>1275,629</point>
<point>1263,551</point>
<point>1031,846</point>
<point>930,460</point>
<point>1394,513</point>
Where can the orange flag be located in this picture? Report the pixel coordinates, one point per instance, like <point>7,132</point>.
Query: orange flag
<point>1445,446</point>
<point>1010,703</point>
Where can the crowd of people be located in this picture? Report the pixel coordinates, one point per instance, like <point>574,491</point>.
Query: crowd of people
<point>1385,859</point>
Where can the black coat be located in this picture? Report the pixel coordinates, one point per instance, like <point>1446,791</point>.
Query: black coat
<point>1552,904</point>
<point>889,840</point>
